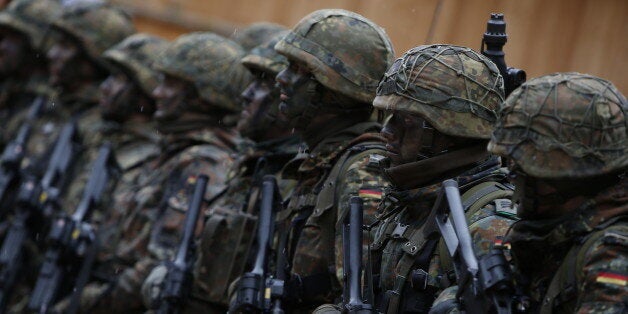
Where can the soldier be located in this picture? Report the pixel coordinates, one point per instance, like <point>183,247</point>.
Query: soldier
<point>229,228</point>
<point>126,106</point>
<point>256,34</point>
<point>335,59</point>
<point>566,137</point>
<point>196,103</point>
<point>443,101</point>
<point>23,67</point>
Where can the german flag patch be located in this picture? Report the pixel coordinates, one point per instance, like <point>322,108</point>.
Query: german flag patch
<point>499,243</point>
<point>370,193</point>
<point>613,279</point>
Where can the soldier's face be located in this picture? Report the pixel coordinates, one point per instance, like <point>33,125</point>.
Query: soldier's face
<point>295,84</point>
<point>170,96</point>
<point>403,133</point>
<point>257,98</point>
<point>117,93</point>
<point>12,49</point>
<point>63,61</point>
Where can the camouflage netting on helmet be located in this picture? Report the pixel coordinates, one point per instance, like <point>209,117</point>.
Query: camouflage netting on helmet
<point>256,34</point>
<point>345,51</point>
<point>31,17</point>
<point>212,63</point>
<point>136,55</point>
<point>265,58</point>
<point>564,125</point>
<point>455,89</point>
<point>96,25</point>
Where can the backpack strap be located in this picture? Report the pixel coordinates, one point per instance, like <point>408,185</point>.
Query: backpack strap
<point>565,284</point>
<point>473,200</point>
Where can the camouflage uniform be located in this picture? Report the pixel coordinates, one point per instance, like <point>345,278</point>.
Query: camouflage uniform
<point>346,54</point>
<point>456,91</point>
<point>97,27</point>
<point>229,227</point>
<point>154,204</point>
<point>31,18</point>
<point>570,130</point>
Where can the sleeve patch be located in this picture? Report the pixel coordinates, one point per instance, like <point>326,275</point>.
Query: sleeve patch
<point>611,278</point>
<point>370,193</point>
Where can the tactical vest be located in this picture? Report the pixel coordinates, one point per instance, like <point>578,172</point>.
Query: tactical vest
<point>418,252</point>
<point>318,208</point>
<point>562,293</point>
<point>230,231</point>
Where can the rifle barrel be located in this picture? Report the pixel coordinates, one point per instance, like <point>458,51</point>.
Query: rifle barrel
<point>265,225</point>
<point>191,218</point>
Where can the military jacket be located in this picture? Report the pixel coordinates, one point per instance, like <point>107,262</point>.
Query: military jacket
<point>229,228</point>
<point>584,255</point>
<point>410,265</point>
<point>328,176</point>
<point>152,208</point>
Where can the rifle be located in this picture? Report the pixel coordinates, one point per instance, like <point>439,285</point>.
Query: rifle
<point>73,243</point>
<point>35,203</point>
<point>16,149</point>
<point>258,291</point>
<point>492,47</point>
<point>179,271</point>
<point>485,285</point>
<point>352,300</point>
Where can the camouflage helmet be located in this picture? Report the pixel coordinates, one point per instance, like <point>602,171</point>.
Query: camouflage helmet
<point>564,125</point>
<point>265,58</point>
<point>96,25</point>
<point>31,17</point>
<point>346,52</point>
<point>256,34</point>
<point>136,55</point>
<point>212,63</point>
<point>455,89</point>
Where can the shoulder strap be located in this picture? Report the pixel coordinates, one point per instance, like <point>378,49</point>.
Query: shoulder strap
<point>564,285</point>
<point>473,200</point>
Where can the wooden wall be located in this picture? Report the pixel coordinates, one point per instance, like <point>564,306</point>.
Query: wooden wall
<point>589,36</point>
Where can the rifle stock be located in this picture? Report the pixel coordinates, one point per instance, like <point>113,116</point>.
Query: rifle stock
<point>73,243</point>
<point>179,270</point>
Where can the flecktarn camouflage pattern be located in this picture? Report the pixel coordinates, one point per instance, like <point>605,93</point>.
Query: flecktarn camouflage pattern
<point>265,58</point>
<point>256,34</point>
<point>31,17</point>
<point>96,25</point>
<point>564,125</point>
<point>136,55</point>
<point>212,63</point>
<point>345,52</point>
<point>455,89</point>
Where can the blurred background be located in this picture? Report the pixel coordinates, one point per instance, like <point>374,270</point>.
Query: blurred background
<point>589,36</point>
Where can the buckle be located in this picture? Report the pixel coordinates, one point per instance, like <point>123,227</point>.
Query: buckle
<point>399,231</point>
<point>419,279</point>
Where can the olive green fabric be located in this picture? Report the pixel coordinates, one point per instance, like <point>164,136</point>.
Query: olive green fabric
<point>96,25</point>
<point>256,34</point>
<point>31,17</point>
<point>457,90</point>
<point>212,63</point>
<point>564,125</point>
<point>136,55</point>
<point>264,57</point>
<point>345,51</point>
